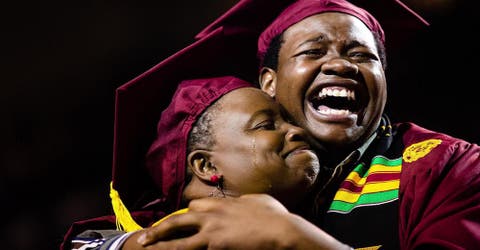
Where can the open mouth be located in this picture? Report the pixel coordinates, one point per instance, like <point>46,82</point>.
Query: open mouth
<point>335,100</point>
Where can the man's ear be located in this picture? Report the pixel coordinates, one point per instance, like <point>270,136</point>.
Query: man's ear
<point>199,162</point>
<point>268,81</point>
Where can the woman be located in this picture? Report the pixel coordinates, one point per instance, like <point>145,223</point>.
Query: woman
<point>219,137</point>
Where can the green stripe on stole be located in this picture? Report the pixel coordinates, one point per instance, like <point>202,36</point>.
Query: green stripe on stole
<point>368,199</point>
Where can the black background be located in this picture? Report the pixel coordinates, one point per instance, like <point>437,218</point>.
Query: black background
<point>62,61</point>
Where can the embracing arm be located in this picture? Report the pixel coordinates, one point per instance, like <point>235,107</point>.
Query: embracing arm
<point>255,221</point>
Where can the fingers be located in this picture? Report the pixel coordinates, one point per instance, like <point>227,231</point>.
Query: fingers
<point>171,227</point>
<point>211,220</point>
<point>194,242</point>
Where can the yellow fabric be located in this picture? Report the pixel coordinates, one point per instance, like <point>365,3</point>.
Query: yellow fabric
<point>124,219</point>
<point>181,211</point>
<point>369,248</point>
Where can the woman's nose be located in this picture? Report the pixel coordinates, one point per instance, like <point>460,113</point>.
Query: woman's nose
<point>294,133</point>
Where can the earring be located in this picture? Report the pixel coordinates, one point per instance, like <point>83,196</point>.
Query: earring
<point>218,181</point>
<point>215,179</point>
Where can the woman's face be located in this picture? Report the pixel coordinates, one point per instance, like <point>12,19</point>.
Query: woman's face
<point>257,151</point>
<point>330,79</point>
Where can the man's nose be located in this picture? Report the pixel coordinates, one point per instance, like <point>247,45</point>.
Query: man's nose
<point>340,66</point>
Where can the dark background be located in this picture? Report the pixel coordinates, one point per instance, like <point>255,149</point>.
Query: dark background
<point>62,61</point>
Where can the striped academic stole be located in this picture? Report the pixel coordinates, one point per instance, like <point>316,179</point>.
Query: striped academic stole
<point>369,185</point>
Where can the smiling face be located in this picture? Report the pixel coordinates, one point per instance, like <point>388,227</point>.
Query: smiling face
<point>330,79</point>
<point>257,151</point>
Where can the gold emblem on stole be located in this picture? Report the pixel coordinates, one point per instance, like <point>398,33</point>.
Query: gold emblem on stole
<point>420,149</point>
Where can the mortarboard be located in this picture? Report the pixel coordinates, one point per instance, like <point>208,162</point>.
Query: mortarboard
<point>166,157</point>
<point>251,17</point>
<point>165,160</point>
<point>139,103</point>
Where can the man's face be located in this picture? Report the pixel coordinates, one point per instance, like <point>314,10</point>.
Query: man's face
<point>330,79</point>
<point>257,151</point>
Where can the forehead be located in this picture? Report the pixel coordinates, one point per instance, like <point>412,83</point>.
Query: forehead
<point>247,100</point>
<point>333,26</point>
<point>239,108</point>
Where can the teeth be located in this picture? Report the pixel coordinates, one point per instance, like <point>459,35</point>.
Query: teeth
<point>329,111</point>
<point>337,92</point>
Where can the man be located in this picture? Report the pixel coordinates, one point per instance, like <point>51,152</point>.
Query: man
<point>393,186</point>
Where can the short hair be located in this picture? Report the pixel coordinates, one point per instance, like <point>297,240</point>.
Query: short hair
<point>202,134</point>
<point>270,59</point>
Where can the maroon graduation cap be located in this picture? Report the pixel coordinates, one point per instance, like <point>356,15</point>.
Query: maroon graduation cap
<point>251,17</point>
<point>139,103</point>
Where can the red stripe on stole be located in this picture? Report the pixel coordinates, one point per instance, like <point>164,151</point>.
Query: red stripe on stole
<point>349,185</point>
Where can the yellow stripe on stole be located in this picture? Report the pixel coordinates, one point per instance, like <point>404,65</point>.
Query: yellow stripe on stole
<point>359,181</point>
<point>371,187</point>
<point>350,197</point>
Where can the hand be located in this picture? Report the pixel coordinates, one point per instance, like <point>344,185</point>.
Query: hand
<point>131,243</point>
<point>255,221</point>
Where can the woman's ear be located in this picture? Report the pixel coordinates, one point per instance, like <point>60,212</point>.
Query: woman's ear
<point>268,81</point>
<point>199,162</point>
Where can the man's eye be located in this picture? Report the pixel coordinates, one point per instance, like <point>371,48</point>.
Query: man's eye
<point>361,56</point>
<point>312,52</point>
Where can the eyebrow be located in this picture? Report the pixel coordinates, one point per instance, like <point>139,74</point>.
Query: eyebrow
<point>322,37</point>
<point>355,43</point>
<point>267,111</point>
<point>317,39</point>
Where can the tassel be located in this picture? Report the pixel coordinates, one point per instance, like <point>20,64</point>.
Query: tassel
<point>124,219</point>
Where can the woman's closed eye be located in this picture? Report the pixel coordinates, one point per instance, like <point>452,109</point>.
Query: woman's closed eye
<point>265,125</point>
